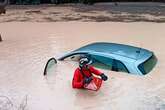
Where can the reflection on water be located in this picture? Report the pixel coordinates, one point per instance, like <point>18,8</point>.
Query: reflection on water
<point>23,56</point>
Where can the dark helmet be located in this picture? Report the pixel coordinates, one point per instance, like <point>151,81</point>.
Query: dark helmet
<point>84,61</point>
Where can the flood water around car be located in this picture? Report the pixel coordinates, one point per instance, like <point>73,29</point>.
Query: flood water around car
<point>24,54</point>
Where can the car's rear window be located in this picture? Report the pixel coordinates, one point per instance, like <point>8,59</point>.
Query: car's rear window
<point>148,65</point>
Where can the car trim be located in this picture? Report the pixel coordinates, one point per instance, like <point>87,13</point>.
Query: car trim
<point>122,64</point>
<point>74,53</point>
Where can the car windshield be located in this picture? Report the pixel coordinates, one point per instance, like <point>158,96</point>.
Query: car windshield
<point>148,65</point>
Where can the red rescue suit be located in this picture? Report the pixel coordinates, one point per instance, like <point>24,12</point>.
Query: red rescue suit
<point>79,78</point>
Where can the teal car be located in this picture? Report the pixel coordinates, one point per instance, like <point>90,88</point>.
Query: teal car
<point>116,57</point>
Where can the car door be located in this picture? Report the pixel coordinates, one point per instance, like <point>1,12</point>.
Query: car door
<point>102,62</point>
<point>119,66</point>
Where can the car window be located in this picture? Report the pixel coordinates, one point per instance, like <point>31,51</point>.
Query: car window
<point>108,63</point>
<point>102,62</point>
<point>119,66</point>
<point>148,65</point>
<point>101,65</point>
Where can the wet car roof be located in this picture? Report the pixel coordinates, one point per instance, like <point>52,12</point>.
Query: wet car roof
<point>120,52</point>
<point>113,48</point>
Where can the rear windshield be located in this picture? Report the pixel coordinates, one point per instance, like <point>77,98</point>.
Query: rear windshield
<point>148,65</point>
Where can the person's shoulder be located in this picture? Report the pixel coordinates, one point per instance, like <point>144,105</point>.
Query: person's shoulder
<point>90,67</point>
<point>77,69</point>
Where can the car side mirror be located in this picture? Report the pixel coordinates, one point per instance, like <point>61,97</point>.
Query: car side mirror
<point>50,65</point>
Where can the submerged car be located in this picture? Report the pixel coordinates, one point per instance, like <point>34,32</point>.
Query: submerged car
<point>116,57</point>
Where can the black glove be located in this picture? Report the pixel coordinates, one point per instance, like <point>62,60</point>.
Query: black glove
<point>87,80</point>
<point>103,77</point>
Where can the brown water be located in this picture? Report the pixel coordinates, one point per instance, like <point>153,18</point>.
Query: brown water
<point>27,46</point>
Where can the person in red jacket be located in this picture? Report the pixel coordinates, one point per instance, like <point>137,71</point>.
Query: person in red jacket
<point>84,74</point>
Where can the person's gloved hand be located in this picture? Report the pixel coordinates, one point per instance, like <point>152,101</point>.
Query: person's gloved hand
<point>87,80</point>
<point>103,77</point>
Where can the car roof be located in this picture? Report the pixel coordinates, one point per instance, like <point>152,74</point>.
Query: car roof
<point>120,52</point>
<point>113,48</point>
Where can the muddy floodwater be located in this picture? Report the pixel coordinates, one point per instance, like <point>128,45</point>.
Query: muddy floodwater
<point>26,47</point>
